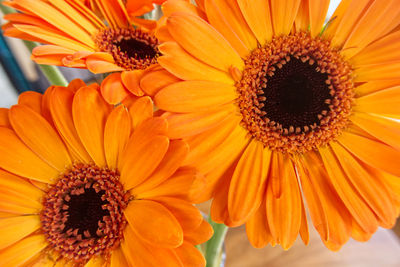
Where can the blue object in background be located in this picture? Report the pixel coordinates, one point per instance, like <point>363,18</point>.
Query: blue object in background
<point>12,68</point>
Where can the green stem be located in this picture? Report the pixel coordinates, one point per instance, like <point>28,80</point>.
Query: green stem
<point>52,73</point>
<point>214,245</point>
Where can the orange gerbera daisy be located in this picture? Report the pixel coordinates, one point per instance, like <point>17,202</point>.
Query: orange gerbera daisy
<point>272,102</point>
<point>85,183</point>
<point>77,37</point>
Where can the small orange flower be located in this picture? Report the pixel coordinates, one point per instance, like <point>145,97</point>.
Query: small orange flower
<point>83,182</point>
<point>275,107</point>
<point>76,36</point>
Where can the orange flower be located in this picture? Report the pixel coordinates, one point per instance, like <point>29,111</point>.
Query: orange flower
<point>83,182</point>
<point>77,37</point>
<point>269,103</point>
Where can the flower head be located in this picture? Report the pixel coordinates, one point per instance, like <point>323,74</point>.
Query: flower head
<point>101,36</point>
<point>85,182</point>
<point>275,103</point>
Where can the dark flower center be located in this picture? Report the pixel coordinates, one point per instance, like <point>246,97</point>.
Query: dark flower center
<point>82,213</point>
<point>296,94</point>
<point>130,48</point>
<point>136,49</point>
<point>85,212</point>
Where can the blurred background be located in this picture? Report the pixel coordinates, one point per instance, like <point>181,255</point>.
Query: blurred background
<point>18,74</point>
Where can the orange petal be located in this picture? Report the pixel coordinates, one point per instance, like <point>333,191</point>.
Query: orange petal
<point>91,128</point>
<point>384,50</point>
<point>257,228</point>
<point>29,19</point>
<point>358,234</point>
<point>18,196</point>
<point>16,203</point>
<point>283,15</point>
<point>218,174</point>
<point>46,103</point>
<point>284,211</point>
<point>226,152</point>
<point>173,6</point>
<point>371,25</point>
<point>184,184</point>
<point>219,206</point>
<point>382,102</point>
<point>146,130</point>
<point>141,253</point>
<point>336,19</point>
<point>227,19</point>
<point>76,84</point>
<point>101,66</point>
<point>53,37</point>
<point>82,19</point>
<point>371,152</point>
<point>383,129</point>
<point>356,206</point>
<point>32,100</point>
<point>328,214</point>
<point>374,86</point>
<point>385,71</point>
<point>39,136</point>
<point>17,158</point>
<point>113,90</point>
<point>147,24</point>
<point>201,145</point>
<point>115,12</point>
<point>55,17</point>
<point>304,233</point>
<point>118,259</point>
<point>61,112</point>
<point>96,261</point>
<point>318,10</point>
<point>190,255</point>
<point>116,134</point>
<point>10,31</point>
<point>176,153</point>
<point>19,186</point>
<point>4,120</point>
<point>201,234</point>
<point>46,51</point>
<point>180,63</point>
<point>154,223</point>
<point>14,229</point>
<point>371,190</point>
<point>193,96</point>
<point>154,81</point>
<point>189,124</point>
<point>190,31</point>
<point>138,8</point>
<point>161,32</point>
<point>188,216</point>
<point>248,183</point>
<point>258,17</point>
<point>302,21</point>
<point>23,251</point>
<point>131,80</point>
<point>141,110</point>
<point>200,4</point>
<point>344,19</point>
<point>141,159</point>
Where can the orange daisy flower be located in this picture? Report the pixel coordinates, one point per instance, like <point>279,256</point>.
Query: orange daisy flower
<point>76,36</point>
<point>276,107</point>
<point>84,183</point>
